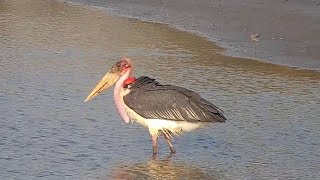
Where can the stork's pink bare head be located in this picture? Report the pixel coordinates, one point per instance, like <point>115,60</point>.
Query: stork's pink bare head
<point>116,71</point>
<point>121,66</point>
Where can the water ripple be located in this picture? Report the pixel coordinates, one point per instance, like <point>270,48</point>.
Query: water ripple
<point>52,54</point>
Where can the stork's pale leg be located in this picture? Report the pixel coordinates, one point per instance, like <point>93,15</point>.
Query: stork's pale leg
<point>169,143</point>
<point>154,143</point>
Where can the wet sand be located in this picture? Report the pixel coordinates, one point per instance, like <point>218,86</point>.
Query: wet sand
<point>289,30</point>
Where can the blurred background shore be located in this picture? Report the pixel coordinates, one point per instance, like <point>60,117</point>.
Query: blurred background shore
<point>289,30</point>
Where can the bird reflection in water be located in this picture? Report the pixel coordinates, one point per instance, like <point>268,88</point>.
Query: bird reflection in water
<point>160,169</point>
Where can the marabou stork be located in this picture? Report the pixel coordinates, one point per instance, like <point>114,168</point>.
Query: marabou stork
<point>163,109</point>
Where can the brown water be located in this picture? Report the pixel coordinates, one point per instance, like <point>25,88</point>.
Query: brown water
<point>52,54</point>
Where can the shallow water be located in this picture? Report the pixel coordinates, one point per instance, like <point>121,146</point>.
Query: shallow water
<point>51,56</point>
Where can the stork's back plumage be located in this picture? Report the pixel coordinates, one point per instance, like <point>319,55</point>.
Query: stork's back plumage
<point>151,100</point>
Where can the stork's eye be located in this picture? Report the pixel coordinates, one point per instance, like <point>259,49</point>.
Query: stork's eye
<point>118,64</point>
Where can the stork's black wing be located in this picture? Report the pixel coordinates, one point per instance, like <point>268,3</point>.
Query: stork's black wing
<point>154,101</point>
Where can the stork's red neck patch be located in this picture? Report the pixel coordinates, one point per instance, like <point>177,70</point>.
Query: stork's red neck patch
<point>128,81</point>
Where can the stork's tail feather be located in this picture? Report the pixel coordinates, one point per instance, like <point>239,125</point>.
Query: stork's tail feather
<point>216,113</point>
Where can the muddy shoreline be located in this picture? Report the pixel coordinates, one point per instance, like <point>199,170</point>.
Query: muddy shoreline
<point>289,30</point>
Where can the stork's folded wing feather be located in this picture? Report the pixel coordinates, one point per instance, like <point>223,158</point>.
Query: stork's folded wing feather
<point>154,101</point>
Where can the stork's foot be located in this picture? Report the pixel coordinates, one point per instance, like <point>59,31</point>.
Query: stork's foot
<point>169,143</point>
<point>154,144</point>
<point>173,151</point>
<point>155,149</point>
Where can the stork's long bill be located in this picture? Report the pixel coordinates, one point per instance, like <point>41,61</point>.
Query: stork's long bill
<point>163,109</point>
<point>107,81</point>
<point>110,78</point>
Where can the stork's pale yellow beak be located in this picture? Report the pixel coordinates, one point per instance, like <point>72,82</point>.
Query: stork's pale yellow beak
<point>110,78</point>
<point>107,81</point>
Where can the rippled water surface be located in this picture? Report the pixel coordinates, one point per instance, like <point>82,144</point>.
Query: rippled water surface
<point>51,56</point>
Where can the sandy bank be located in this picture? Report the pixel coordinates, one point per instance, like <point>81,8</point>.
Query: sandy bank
<point>289,30</point>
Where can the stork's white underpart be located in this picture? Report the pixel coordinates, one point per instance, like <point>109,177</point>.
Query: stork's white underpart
<point>157,125</point>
